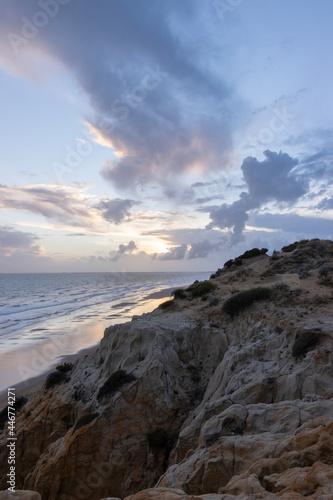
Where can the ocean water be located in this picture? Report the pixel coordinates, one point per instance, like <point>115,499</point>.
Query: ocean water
<point>31,304</point>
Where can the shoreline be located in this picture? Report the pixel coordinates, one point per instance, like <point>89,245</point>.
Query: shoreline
<point>28,357</point>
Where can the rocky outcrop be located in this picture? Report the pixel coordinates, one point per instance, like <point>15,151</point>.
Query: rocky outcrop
<point>192,402</point>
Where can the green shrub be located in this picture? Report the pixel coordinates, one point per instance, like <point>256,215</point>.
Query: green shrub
<point>114,383</point>
<point>179,294</point>
<point>86,419</point>
<point>166,304</point>
<point>157,438</point>
<point>241,300</point>
<point>304,342</point>
<point>55,378</point>
<point>255,252</point>
<point>291,247</point>
<point>66,367</point>
<point>201,288</point>
<point>324,271</point>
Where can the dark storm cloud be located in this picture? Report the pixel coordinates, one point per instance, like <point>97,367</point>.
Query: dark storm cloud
<point>269,180</point>
<point>116,210</point>
<point>154,97</point>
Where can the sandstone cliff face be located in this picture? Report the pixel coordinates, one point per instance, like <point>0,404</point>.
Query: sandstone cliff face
<point>241,410</point>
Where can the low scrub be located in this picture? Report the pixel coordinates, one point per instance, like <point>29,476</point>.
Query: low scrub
<point>157,438</point>
<point>179,294</point>
<point>304,342</point>
<point>201,288</point>
<point>55,378</point>
<point>66,367</point>
<point>86,419</point>
<point>245,299</point>
<point>166,304</point>
<point>291,247</point>
<point>254,252</point>
<point>114,383</point>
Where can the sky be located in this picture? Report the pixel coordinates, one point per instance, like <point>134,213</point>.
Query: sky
<point>169,135</point>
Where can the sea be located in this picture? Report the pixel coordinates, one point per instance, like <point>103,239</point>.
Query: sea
<point>37,309</point>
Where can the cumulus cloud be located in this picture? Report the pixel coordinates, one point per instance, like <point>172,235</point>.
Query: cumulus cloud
<point>122,250</point>
<point>117,210</point>
<point>175,253</point>
<point>155,97</point>
<point>201,249</point>
<point>14,241</point>
<point>269,180</point>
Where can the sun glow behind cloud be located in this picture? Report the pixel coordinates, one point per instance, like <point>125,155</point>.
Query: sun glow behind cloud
<point>161,104</point>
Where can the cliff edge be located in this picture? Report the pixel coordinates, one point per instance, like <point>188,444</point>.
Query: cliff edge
<point>225,391</point>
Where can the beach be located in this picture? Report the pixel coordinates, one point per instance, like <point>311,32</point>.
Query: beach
<point>26,368</point>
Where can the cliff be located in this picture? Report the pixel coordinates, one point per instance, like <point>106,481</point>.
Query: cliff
<point>225,392</point>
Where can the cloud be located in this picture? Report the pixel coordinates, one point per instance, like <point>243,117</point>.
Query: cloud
<point>309,227</point>
<point>158,97</point>
<point>326,204</point>
<point>175,253</point>
<point>202,249</point>
<point>116,211</point>
<point>52,202</point>
<point>270,180</point>
<point>13,241</point>
<point>122,250</point>
<point>67,205</point>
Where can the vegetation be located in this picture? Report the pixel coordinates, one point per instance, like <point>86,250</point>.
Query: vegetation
<point>86,419</point>
<point>254,252</point>
<point>291,247</point>
<point>230,262</point>
<point>114,383</point>
<point>325,274</point>
<point>65,367</point>
<point>166,304</point>
<point>55,378</point>
<point>201,288</point>
<point>238,261</point>
<point>242,300</point>
<point>157,438</point>
<point>179,294</point>
<point>304,342</point>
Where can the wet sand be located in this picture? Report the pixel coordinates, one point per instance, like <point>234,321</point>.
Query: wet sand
<point>26,367</point>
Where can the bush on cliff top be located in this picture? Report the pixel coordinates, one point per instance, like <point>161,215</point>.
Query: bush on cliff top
<point>254,252</point>
<point>242,300</point>
<point>65,367</point>
<point>86,419</point>
<point>55,378</point>
<point>201,288</point>
<point>166,304</point>
<point>114,383</point>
